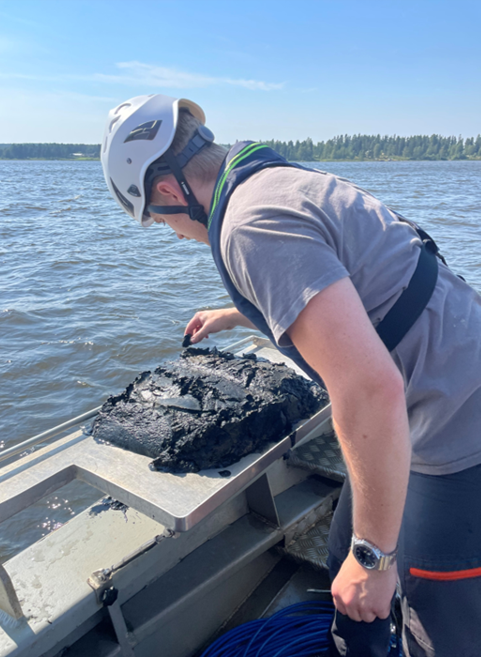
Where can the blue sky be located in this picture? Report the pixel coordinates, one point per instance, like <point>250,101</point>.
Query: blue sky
<point>260,69</point>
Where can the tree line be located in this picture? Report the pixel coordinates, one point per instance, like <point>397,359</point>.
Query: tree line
<point>49,151</point>
<point>343,147</point>
<point>376,147</point>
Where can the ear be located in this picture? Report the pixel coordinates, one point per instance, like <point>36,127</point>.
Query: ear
<point>170,190</point>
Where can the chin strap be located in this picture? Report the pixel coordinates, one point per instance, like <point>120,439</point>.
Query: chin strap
<point>170,163</point>
<point>195,211</point>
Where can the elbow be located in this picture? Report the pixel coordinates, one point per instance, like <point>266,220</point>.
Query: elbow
<point>385,389</point>
<point>380,393</point>
<point>390,385</point>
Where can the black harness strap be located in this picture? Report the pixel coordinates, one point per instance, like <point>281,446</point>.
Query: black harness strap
<point>412,301</point>
<point>246,158</point>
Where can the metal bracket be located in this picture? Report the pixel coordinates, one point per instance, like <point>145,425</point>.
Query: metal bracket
<point>261,501</point>
<point>8,598</point>
<point>107,595</point>
<point>100,580</point>
<point>124,637</point>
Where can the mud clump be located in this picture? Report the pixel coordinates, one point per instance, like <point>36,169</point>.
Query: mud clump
<point>207,409</point>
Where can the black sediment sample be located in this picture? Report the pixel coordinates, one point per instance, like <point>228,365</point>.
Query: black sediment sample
<point>207,410</point>
<point>186,340</point>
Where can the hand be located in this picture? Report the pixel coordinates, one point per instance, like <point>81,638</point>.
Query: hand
<point>362,594</point>
<point>211,321</point>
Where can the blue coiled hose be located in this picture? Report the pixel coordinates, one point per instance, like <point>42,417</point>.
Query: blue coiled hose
<point>300,630</point>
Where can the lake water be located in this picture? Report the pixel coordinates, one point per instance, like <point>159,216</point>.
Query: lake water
<point>89,299</point>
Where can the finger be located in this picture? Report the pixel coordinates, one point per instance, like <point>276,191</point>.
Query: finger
<point>197,337</point>
<point>368,616</point>
<point>349,611</point>
<point>340,606</point>
<point>194,325</point>
<point>383,613</point>
<point>200,335</point>
<point>354,615</point>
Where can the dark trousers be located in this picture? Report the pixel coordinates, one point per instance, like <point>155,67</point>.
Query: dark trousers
<point>439,564</point>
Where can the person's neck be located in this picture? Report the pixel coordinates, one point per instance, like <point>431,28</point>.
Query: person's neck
<point>204,192</point>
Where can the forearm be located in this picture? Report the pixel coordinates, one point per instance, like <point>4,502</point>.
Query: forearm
<point>231,318</point>
<point>206,322</point>
<point>241,320</point>
<point>335,336</point>
<point>373,431</point>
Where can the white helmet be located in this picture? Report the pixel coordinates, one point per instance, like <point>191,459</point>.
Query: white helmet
<point>137,133</point>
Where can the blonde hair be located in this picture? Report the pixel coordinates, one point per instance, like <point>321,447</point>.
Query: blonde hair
<point>204,166</point>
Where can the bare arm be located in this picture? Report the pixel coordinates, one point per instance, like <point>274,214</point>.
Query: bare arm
<point>212,321</point>
<point>335,336</point>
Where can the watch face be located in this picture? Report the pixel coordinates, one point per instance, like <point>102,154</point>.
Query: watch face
<point>365,556</point>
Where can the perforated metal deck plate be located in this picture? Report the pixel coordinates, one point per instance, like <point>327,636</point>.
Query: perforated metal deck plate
<point>321,454</point>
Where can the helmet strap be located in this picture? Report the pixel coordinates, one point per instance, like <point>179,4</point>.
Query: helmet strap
<point>194,209</point>
<point>168,209</point>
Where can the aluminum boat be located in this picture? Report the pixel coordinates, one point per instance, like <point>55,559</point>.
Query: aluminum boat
<point>192,556</point>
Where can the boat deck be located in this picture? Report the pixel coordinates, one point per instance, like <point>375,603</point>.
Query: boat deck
<point>190,534</point>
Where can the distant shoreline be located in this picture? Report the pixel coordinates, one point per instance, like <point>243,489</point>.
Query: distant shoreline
<point>357,159</point>
<point>50,159</point>
<point>343,148</point>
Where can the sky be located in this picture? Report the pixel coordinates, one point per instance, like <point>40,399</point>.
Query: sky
<point>260,69</point>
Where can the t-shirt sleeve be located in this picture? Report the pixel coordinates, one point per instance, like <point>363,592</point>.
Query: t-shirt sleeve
<point>279,264</point>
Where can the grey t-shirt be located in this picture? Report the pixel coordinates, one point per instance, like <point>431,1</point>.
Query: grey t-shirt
<point>289,233</point>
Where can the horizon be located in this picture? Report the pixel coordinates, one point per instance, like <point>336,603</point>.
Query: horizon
<point>374,134</point>
<point>343,147</point>
<point>269,70</point>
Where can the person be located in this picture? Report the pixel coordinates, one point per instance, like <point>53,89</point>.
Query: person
<point>318,264</point>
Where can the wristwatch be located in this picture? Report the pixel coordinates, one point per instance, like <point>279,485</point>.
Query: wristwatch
<point>370,556</point>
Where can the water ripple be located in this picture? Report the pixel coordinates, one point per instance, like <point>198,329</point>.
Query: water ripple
<point>89,299</point>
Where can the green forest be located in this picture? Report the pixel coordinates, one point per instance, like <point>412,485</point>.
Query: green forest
<point>49,151</point>
<point>343,147</point>
<point>375,147</point>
